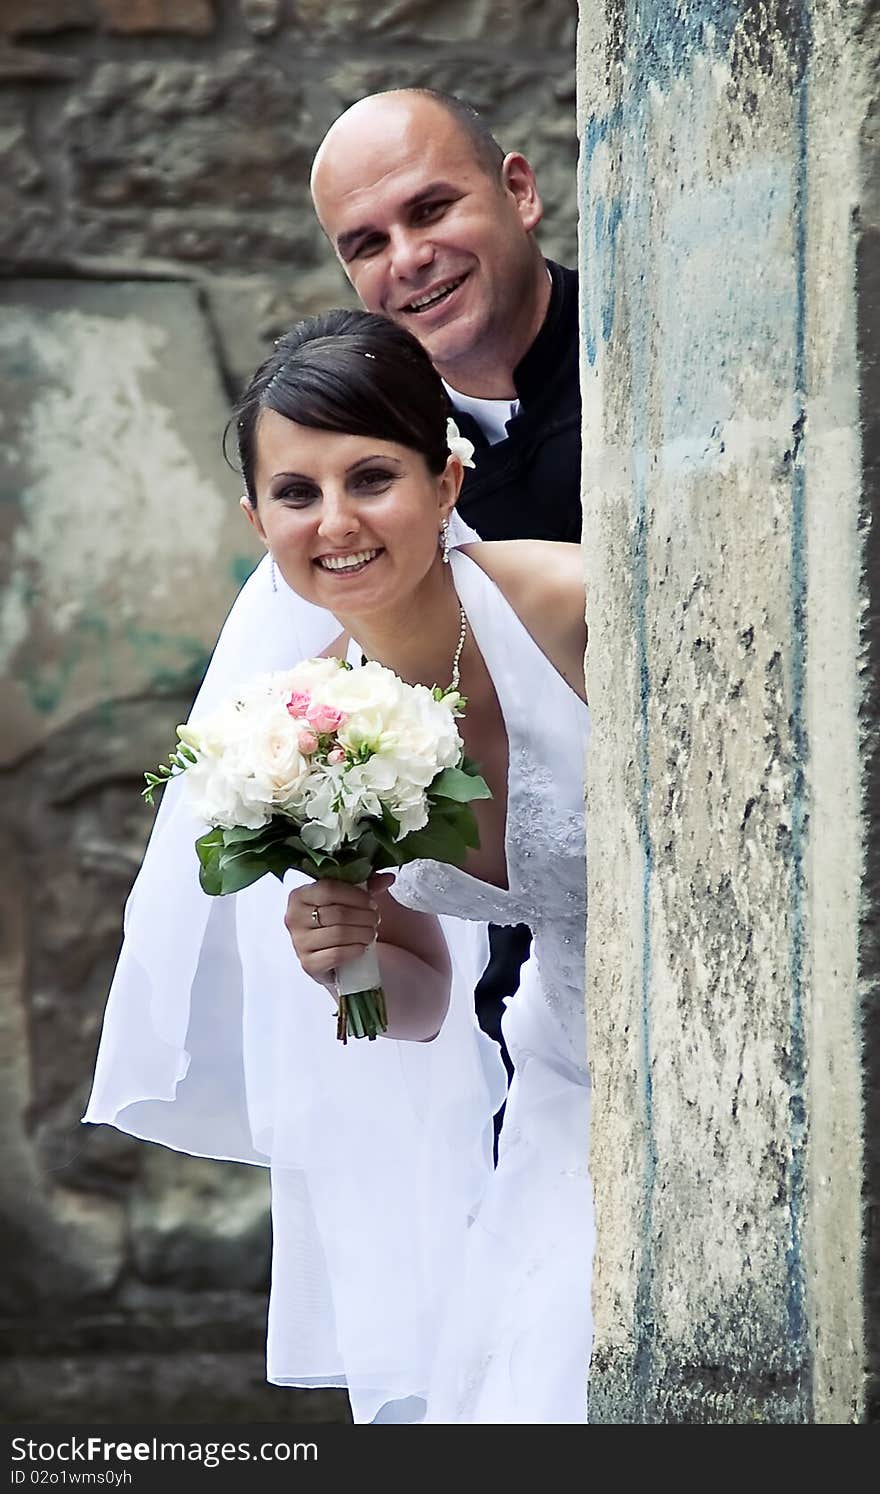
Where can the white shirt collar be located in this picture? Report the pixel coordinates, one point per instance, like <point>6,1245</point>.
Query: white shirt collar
<point>491,415</point>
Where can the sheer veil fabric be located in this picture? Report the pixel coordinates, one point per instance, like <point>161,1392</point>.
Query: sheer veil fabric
<point>216,1043</point>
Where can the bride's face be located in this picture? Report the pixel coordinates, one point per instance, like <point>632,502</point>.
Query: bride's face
<point>352,521</point>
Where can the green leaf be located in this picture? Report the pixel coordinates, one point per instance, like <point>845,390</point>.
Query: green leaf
<point>460,817</point>
<point>455,783</point>
<point>240,875</point>
<point>209,845</point>
<point>390,822</point>
<point>386,846</point>
<point>240,836</point>
<point>353,871</point>
<point>210,880</point>
<point>439,841</point>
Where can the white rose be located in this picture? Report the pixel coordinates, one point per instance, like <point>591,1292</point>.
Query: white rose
<point>272,751</point>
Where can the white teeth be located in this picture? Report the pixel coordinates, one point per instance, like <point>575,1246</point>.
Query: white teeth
<point>346,562</point>
<point>434,296</point>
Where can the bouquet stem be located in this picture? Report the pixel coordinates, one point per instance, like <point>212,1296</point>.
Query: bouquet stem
<point>360,999</point>
<point>362,1014</point>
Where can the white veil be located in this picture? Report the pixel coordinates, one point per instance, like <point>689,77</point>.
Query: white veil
<point>215,1042</point>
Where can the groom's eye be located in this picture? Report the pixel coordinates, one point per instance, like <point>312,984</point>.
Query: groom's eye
<point>365,247</point>
<point>429,212</point>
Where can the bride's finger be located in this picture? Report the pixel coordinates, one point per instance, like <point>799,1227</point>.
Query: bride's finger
<point>321,902</point>
<point>324,961</point>
<point>330,913</point>
<point>335,933</point>
<point>346,894</point>
<point>307,920</point>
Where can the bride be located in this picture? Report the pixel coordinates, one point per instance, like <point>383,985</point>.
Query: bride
<point>435,1288</point>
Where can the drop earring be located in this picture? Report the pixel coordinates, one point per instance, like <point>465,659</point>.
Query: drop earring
<point>444,540</point>
<point>273,572</point>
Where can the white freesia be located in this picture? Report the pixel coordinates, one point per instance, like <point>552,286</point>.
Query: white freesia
<point>458,444</point>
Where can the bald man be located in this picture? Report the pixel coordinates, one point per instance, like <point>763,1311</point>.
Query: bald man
<point>434,227</point>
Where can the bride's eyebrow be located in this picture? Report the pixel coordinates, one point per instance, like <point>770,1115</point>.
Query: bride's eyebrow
<point>381,456</point>
<point>283,477</point>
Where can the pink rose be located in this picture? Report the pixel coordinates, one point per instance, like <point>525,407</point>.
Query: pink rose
<point>308,742</point>
<point>336,757</point>
<point>299,703</point>
<point>324,717</point>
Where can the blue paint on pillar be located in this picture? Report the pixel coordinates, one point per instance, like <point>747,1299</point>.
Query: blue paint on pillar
<point>636,270</point>
<point>601,221</point>
<point>666,34</point>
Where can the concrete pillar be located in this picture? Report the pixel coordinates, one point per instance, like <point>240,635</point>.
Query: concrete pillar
<point>729,251</point>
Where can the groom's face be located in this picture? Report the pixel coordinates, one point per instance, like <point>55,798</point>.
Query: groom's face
<point>426,233</point>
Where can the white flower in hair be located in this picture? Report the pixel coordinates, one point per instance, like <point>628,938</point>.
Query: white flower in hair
<point>458,444</point>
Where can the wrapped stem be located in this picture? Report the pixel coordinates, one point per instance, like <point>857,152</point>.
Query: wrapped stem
<point>361,1002</point>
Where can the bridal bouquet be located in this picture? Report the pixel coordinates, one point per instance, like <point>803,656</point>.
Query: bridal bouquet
<point>332,771</point>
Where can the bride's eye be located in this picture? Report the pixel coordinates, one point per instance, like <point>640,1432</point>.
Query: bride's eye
<point>296,493</point>
<point>373,479</point>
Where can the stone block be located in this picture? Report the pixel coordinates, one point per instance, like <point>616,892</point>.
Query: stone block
<point>113,439</point>
<point>226,133</point>
<point>20,167</point>
<point>19,17</point>
<point>61,1246</point>
<point>262,17</point>
<point>200,1224</point>
<point>199,239</point>
<point>147,17</point>
<point>26,65</point>
<point>534,24</point>
<point>249,312</point>
<point>29,224</point>
<point>137,1389</point>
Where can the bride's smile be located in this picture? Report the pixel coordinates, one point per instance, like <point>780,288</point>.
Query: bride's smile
<point>352,521</point>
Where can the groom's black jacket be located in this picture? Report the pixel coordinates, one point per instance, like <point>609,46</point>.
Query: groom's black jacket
<point>528,487</point>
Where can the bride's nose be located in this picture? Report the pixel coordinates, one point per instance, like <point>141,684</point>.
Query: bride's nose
<point>339,520</point>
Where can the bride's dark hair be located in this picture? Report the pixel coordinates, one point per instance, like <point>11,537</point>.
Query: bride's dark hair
<point>351,372</point>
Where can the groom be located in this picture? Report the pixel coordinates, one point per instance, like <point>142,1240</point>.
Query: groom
<point>434,227</point>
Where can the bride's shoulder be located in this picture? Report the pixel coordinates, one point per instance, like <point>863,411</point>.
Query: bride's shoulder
<point>543,580</point>
<point>532,574</point>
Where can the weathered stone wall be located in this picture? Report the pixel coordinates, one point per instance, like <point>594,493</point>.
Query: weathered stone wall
<point>149,138</point>
<point>155,233</point>
<point>730,354</point>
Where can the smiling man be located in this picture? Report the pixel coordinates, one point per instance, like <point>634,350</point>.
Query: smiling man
<point>434,227</point>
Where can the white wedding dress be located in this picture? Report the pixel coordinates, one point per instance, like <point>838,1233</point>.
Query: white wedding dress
<point>517,1338</point>
<point>405,1268</point>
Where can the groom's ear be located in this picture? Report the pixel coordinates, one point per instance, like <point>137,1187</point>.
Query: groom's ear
<point>518,179</point>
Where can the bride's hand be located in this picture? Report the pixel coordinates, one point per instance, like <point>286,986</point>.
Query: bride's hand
<point>331,922</point>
